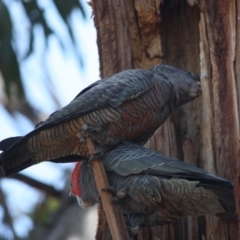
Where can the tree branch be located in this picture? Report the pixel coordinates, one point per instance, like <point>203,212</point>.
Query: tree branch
<point>114,216</point>
<point>36,184</point>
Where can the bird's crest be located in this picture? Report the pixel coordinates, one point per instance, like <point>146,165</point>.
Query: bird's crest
<point>74,181</point>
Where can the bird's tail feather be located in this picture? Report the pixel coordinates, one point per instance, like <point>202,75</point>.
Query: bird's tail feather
<point>226,198</point>
<point>8,142</point>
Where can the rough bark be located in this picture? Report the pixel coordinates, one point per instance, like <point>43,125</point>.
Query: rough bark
<point>199,36</point>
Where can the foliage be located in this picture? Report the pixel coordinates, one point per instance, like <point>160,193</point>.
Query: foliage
<point>10,71</point>
<point>10,58</point>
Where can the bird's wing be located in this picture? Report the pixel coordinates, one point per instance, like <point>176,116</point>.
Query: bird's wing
<point>130,158</point>
<point>147,168</point>
<point>112,91</point>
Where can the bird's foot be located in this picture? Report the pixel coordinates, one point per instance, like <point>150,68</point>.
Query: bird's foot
<point>98,154</point>
<point>118,194</point>
<point>86,132</point>
<point>89,129</point>
<point>113,191</point>
<point>82,136</point>
<point>110,190</point>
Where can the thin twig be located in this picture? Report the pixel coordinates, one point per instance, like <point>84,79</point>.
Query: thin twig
<point>115,218</point>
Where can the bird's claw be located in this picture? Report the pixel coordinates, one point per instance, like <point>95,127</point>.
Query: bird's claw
<point>110,190</point>
<point>86,132</point>
<point>82,136</point>
<point>98,154</point>
<point>89,129</point>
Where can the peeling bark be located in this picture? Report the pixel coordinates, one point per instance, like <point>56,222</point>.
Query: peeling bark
<point>199,36</point>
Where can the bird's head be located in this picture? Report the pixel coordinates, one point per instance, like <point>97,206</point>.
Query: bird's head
<point>82,185</point>
<point>187,85</point>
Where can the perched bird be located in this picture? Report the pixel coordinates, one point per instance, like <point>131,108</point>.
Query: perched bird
<point>152,189</point>
<point>127,106</point>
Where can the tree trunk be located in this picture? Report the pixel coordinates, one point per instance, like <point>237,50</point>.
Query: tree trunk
<point>198,36</point>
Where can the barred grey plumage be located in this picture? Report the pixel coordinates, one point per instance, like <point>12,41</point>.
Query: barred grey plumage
<point>129,106</point>
<point>153,189</point>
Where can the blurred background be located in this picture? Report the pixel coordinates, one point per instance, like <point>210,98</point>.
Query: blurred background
<point>48,53</point>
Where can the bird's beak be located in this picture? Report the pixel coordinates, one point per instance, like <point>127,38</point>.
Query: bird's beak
<point>83,204</point>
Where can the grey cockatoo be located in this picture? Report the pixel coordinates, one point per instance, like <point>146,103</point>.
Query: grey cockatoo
<point>152,189</point>
<point>127,106</point>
